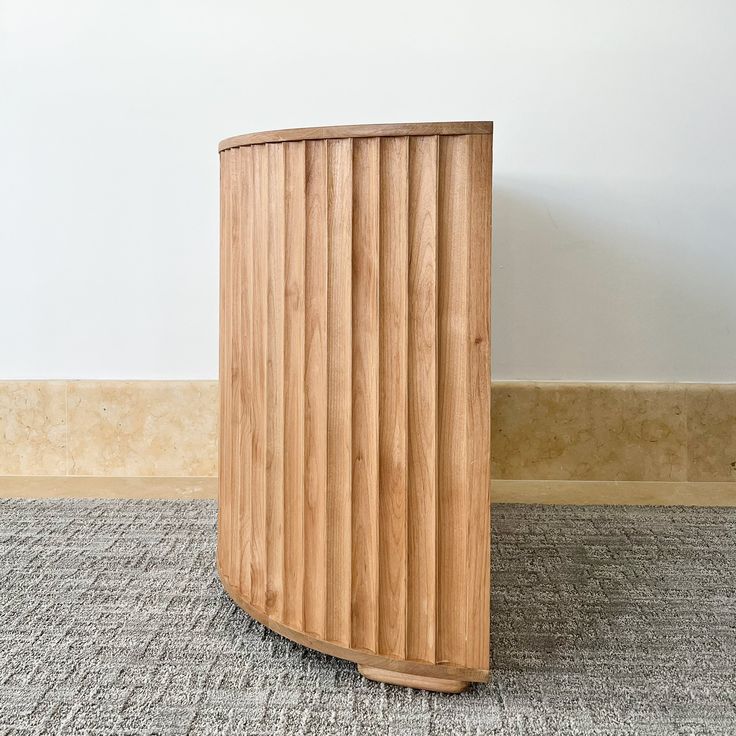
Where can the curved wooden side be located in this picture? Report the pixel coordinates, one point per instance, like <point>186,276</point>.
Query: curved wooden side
<point>459,675</point>
<point>358,131</point>
<point>355,396</point>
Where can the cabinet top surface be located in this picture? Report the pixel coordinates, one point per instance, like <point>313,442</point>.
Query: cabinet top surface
<point>358,131</point>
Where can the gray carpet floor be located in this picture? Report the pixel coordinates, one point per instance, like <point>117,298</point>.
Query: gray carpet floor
<point>606,620</point>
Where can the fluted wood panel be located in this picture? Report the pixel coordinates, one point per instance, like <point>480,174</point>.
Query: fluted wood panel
<point>355,390</point>
<point>423,388</point>
<point>393,395</point>
<point>315,393</point>
<point>294,395</point>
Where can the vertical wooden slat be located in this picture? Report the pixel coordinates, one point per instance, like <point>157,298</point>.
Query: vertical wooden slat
<point>315,392</point>
<point>294,322</point>
<point>453,255</point>
<point>479,408</point>
<point>393,386</point>
<point>233,355</point>
<point>260,356</point>
<point>245,396</point>
<point>422,398</point>
<point>225,519</point>
<point>275,383</point>
<point>236,356</point>
<point>365,368</point>
<point>339,380</point>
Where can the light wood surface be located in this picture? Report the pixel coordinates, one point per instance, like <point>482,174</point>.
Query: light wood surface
<point>436,684</point>
<point>460,675</point>
<point>358,131</point>
<point>294,394</point>
<point>355,386</point>
<point>315,391</point>
<point>393,395</point>
<point>422,400</point>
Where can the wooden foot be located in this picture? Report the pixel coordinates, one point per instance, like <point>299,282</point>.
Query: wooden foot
<point>436,684</point>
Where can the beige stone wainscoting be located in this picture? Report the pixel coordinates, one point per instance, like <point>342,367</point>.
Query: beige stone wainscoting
<point>636,443</point>
<point>86,486</point>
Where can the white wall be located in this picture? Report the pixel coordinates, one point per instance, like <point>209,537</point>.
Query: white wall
<point>615,169</point>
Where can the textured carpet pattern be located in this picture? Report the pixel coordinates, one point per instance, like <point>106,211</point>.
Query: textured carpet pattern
<point>606,620</point>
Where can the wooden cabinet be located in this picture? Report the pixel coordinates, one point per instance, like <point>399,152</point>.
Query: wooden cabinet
<point>355,393</point>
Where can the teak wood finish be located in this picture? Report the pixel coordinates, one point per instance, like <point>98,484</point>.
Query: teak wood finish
<point>355,393</point>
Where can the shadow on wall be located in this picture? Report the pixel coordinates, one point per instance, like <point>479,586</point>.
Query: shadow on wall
<point>607,285</point>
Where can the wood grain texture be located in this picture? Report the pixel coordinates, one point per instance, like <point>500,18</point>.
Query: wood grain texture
<point>478,390</point>
<point>365,407</point>
<point>259,346</point>
<point>434,684</point>
<point>294,395</point>
<point>452,377</point>
<point>393,393</point>
<point>422,400</point>
<point>244,355</point>
<point>355,394</point>
<point>315,392</point>
<point>275,255</point>
<point>358,131</point>
<point>237,216</point>
<point>423,669</point>
<point>339,388</point>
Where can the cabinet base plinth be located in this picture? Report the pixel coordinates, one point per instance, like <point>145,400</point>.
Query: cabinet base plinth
<point>420,682</point>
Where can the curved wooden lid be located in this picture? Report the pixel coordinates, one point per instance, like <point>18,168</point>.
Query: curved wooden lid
<point>358,131</point>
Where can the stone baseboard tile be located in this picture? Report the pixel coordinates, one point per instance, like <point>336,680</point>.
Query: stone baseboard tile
<point>614,431</point>
<point>108,428</point>
<point>545,431</point>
